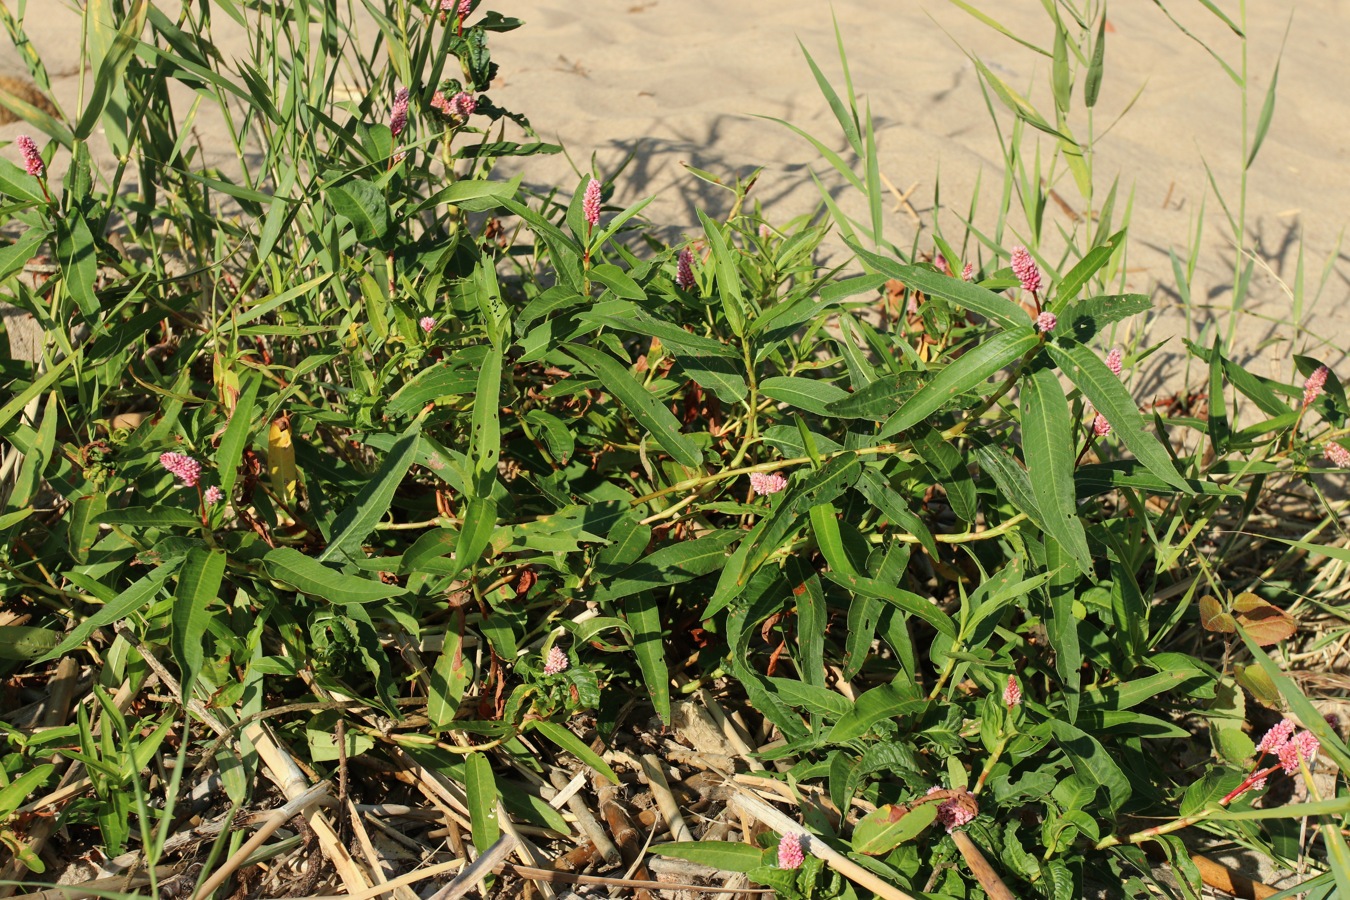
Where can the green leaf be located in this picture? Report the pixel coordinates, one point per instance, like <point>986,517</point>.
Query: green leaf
<point>644,617</point>
<point>480,788</point>
<point>1110,398</point>
<point>25,642</point>
<point>1047,444</point>
<point>639,402</point>
<point>1092,83</point>
<point>946,464</point>
<point>364,205</point>
<point>673,564</point>
<point>618,281</point>
<point>1017,104</point>
<point>479,523</point>
<point>810,394</point>
<point>78,259</point>
<point>728,276</point>
<point>674,338</point>
<point>485,436</point>
<point>889,826</point>
<point>121,606</point>
<point>883,702</point>
<point>903,600</point>
<point>1091,761</point>
<point>237,433</point>
<point>967,372</point>
<point>779,525</point>
<point>1060,79</point>
<point>879,399</point>
<point>14,793</point>
<point>994,307</point>
<point>367,508</point>
<point>147,517</point>
<point>449,680</point>
<point>1089,265</point>
<point>198,585</point>
<point>872,486</point>
<point>729,857</point>
<point>310,576</point>
<point>436,382</point>
<point>1267,106</point>
<point>570,743</point>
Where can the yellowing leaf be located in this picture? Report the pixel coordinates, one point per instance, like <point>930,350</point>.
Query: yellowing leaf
<point>281,459</point>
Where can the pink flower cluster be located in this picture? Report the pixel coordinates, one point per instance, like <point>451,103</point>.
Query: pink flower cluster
<point>557,661</point>
<point>1100,427</point>
<point>1046,322</point>
<point>1338,455</point>
<point>684,270</point>
<point>1315,386</point>
<point>590,204</point>
<point>398,118</point>
<point>967,272</point>
<point>427,324</point>
<point>953,813</point>
<point>1113,361</point>
<point>32,159</point>
<point>184,467</point>
<point>763,483</point>
<point>1012,694</point>
<point>460,106</point>
<point>1025,269</point>
<point>790,852</point>
<point>1289,747</point>
<point>214,494</point>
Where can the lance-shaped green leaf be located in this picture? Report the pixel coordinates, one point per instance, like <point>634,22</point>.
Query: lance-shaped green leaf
<point>810,394</point>
<point>1110,398</point>
<point>903,600</point>
<point>644,618</point>
<point>672,564</point>
<point>779,525</point>
<point>1047,445</point>
<point>964,374</point>
<point>480,790</point>
<point>639,402</point>
<point>121,606</point>
<point>728,276</point>
<point>198,585</point>
<point>364,512</point>
<point>994,307</point>
<point>309,576</point>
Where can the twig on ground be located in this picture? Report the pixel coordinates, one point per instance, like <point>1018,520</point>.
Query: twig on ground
<point>665,800</point>
<point>585,820</point>
<point>989,880</point>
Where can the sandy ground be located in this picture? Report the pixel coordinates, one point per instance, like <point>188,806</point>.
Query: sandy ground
<point>672,83</point>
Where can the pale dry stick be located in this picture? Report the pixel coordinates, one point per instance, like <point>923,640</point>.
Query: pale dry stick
<point>979,866</point>
<point>479,869</point>
<point>585,820</point>
<point>170,682</point>
<point>281,768</point>
<point>902,200</point>
<point>278,817</point>
<point>375,861</point>
<point>401,881</point>
<point>734,737</point>
<point>665,800</point>
<point>573,878</point>
<point>756,808</point>
<point>100,886</point>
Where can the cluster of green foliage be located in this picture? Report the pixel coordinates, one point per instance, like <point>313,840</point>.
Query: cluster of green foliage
<point>429,477</point>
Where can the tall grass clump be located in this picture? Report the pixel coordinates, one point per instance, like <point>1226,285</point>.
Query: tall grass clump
<point>355,487</point>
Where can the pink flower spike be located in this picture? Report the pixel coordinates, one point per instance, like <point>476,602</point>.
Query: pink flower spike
<point>463,105</point>
<point>184,467</point>
<point>590,204</point>
<point>1315,386</point>
<point>32,159</point>
<point>763,483</point>
<point>953,814</point>
<point>398,119</point>
<point>1101,427</point>
<point>1012,694</point>
<point>427,323</point>
<point>1276,737</point>
<point>1113,361</point>
<point>1303,745</point>
<point>1025,269</point>
<point>942,265</point>
<point>684,270</point>
<point>557,662</point>
<point>790,852</point>
<point>1046,322</point>
<point>464,6</point>
<point>213,494</point>
<point>1339,456</point>
<point>968,272</point>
